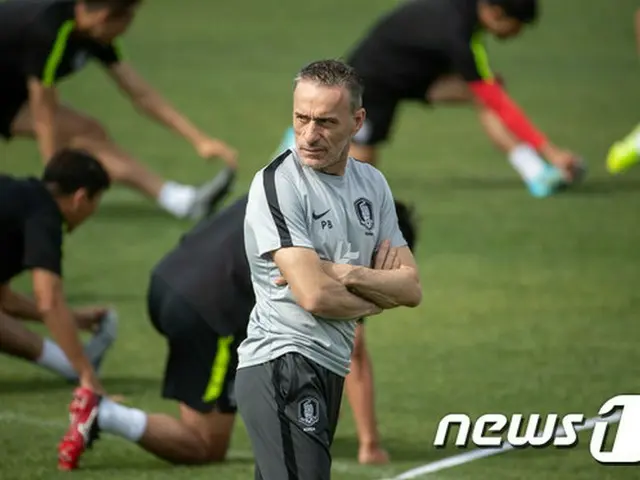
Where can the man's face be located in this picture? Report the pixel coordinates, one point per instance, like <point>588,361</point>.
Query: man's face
<point>498,23</point>
<point>105,25</point>
<point>324,123</point>
<point>81,207</point>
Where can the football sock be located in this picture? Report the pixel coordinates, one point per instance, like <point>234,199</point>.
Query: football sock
<point>126,422</point>
<point>177,199</point>
<point>526,161</point>
<point>54,359</point>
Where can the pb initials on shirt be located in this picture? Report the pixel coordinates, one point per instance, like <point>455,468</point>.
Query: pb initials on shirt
<point>343,218</point>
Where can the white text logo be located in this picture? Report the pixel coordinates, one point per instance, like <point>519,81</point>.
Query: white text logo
<point>492,430</point>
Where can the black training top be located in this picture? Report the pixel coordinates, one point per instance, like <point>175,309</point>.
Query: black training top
<point>209,270</point>
<point>30,228</point>
<point>419,40</point>
<point>38,39</point>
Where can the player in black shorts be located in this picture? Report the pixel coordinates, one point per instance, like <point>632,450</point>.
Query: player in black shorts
<point>33,215</point>
<point>431,51</point>
<point>200,297</point>
<point>45,41</point>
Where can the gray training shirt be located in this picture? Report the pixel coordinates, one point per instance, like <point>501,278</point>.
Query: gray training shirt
<point>343,218</point>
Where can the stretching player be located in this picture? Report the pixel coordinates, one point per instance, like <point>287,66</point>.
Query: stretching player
<point>200,298</point>
<point>45,41</point>
<point>18,341</point>
<point>432,51</point>
<point>33,214</point>
<point>626,153</point>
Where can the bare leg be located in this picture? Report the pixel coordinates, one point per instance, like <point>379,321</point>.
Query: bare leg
<point>18,341</point>
<point>81,131</point>
<point>454,90</point>
<point>496,131</point>
<point>360,391</point>
<point>195,438</point>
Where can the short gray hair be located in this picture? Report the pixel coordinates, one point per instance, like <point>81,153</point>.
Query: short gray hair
<point>333,73</point>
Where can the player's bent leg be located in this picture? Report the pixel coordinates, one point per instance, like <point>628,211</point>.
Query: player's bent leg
<point>359,386</point>
<point>290,418</point>
<point>84,132</point>
<point>18,341</point>
<point>196,438</point>
<point>449,89</point>
<point>541,178</point>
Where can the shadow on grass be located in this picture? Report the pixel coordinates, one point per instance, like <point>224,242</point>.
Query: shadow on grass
<point>116,385</point>
<point>125,212</point>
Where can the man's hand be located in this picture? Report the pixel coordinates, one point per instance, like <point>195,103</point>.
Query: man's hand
<point>386,258</point>
<point>88,318</point>
<point>90,381</point>
<point>565,160</point>
<point>209,148</point>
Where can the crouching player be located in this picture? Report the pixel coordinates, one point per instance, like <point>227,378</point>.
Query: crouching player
<point>200,297</point>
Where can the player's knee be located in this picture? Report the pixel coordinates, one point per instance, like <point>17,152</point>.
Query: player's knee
<point>88,128</point>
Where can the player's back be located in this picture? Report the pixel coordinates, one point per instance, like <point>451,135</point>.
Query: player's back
<point>415,32</point>
<point>208,268</point>
<point>18,196</point>
<point>22,201</point>
<point>341,217</point>
<point>16,19</point>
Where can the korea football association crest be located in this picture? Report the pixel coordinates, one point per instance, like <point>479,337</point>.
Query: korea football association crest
<point>364,211</point>
<point>309,413</point>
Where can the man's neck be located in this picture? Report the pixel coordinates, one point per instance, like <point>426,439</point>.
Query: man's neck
<point>338,168</point>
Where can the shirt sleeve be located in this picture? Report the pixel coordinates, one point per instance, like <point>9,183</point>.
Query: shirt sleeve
<point>107,54</point>
<point>389,227</point>
<point>46,47</point>
<point>43,242</point>
<point>275,212</point>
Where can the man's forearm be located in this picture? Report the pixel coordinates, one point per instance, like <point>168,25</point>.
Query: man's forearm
<point>61,324</point>
<point>19,306</point>
<point>42,104</point>
<point>157,108</point>
<point>386,288</point>
<point>337,303</point>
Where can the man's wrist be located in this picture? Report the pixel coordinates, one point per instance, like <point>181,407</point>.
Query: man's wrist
<point>352,276</point>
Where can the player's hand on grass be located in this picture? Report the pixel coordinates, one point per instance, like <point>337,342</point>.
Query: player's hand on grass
<point>565,160</point>
<point>90,381</point>
<point>209,148</point>
<point>88,318</point>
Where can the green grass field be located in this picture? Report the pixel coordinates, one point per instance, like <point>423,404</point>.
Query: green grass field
<point>529,305</point>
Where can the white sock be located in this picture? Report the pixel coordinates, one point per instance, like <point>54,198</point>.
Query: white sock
<point>126,422</point>
<point>53,358</point>
<point>177,199</point>
<point>526,161</point>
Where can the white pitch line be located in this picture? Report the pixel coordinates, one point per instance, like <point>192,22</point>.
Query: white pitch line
<point>473,455</point>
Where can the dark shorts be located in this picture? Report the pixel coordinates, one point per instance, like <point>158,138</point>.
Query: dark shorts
<point>381,104</point>
<point>201,365</point>
<point>12,98</point>
<point>290,408</point>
